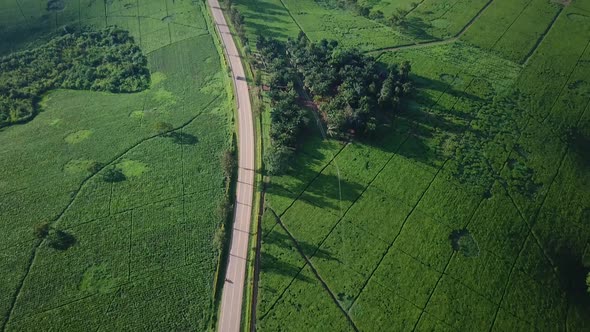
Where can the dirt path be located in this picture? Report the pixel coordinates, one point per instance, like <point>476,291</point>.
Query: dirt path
<point>233,288</point>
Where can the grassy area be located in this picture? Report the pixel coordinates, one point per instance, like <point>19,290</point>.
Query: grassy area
<point>470,211</point>
<point>142,254</point>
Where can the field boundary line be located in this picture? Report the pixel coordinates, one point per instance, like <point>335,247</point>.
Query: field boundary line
<point>292,279</point>
<point>414,8</point>
<point>574,67</point>
<point>176,42</point>
<point>293,18</point>
<point>115,289</point>
<point>511,24</point>
<point>138,23</point>
<point>314,178</point>
<point>168,23</point>
<point>543,36</point>
<point>130,252</point>
<point>507,285</point>
<point>439,41</point>
<point>21,11</point>
<point>317,275</point>
<point>56,220</point>
<point>276,216</point>
<point>465,226</point>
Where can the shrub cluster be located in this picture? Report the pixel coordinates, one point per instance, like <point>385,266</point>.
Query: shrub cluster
<point>106,60</point>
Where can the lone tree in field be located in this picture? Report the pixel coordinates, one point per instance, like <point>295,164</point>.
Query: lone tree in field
<point>398,17</point>
<point>163,127</point>
<point>41,230</point>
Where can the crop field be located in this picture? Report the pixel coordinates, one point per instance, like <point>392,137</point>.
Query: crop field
<point>140,248</point>
<point>470,212</point>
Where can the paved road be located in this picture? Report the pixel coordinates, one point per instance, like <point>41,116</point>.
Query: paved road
<point>233,288</point>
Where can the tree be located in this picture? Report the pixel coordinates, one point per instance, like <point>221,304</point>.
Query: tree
<point>376,15</point>
<point>163,127</point>
<point>228,163</point>
<point>588,282</point>
<point>399,17</point>
<point>41,230</point>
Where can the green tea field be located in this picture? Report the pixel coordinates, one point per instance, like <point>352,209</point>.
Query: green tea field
<point>470,211</point>
<point>130,184</point>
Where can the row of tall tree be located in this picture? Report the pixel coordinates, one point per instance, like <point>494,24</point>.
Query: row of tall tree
<point>287,116</point>
<point>238,20</point>
<point>105,60</point>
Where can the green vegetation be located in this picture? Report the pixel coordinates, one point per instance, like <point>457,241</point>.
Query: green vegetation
<point>83,252</point>
<point>347,88</point>
<point>487,150</point>
<point>106,60</point>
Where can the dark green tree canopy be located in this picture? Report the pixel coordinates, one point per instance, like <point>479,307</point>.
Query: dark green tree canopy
<point>105,60</point>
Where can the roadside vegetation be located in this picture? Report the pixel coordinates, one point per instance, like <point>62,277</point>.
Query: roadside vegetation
<point>469,211</point>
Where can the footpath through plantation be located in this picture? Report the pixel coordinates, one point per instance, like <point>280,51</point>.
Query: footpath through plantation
<point>115,143</point>
<point>466,207</point>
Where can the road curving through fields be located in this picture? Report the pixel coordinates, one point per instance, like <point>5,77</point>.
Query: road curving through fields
<point>233,287</point>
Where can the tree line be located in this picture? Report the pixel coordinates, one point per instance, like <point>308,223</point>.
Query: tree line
<point>350,90</point>
<point>105,60</point>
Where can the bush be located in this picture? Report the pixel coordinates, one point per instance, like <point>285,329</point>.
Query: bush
<point>94,167</point>
<point>41,230</point>
<point>276,159</point>
<point>228,162</point>
<point>61,240</point>
<point>163,127</point>
<point>219,238</point>
<point>463,241</point>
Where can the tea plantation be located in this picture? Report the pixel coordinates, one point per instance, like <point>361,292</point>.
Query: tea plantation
<point>470,210</point>
<point>110,201</point>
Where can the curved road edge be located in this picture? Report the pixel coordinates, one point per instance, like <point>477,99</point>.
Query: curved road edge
<point>233,287</point>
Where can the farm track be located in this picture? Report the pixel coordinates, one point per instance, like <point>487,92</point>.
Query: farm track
<point>55,221</point>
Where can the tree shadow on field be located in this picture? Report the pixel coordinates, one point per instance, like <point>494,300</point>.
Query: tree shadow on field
<point>572,277</point>
<point>579,144</point>
<point>36,31</point>
<point>285,242</point>
<point>322,190</point>
<point>271,264</point>
<point>183,138</point>
<point>268,12</point>
<point>430,126</point>
<point>417,27</point>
